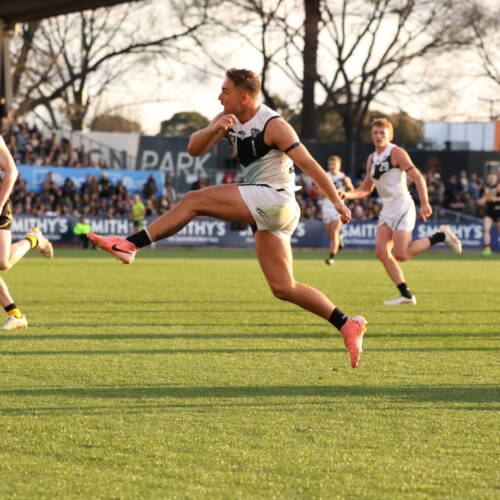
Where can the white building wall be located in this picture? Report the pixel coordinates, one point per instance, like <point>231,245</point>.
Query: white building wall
<point>474,136</point>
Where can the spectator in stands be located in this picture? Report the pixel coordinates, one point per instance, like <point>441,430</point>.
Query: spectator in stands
<point>138,212</point>
<point>170,192</point>
<point>150,188</point>
<point>80,230</point>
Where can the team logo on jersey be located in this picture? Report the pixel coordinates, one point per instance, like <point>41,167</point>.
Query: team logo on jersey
<point>380,168</point>
<point>255,132</point>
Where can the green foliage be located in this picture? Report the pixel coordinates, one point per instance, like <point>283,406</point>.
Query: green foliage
<point>171,379</point>
<point>114,123</point>
<point>407,131</point>
<point>183,124</point>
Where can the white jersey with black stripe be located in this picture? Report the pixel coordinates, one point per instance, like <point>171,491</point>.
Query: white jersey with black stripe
<point>390,181</point>
<point>338,180</point>
<point>260,163</point>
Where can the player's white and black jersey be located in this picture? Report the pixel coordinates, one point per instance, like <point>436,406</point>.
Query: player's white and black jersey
<point>398,209</point>
<point>389,179</point>
<point>328,211</point>
<point>337,179</point>
<point>260,163</point>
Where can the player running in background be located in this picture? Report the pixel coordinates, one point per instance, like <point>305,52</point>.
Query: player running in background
<point>267,148</point>
<point>330,216</point>
<point>490,200</point>
<point>387,170</point>
<point>11,253</point>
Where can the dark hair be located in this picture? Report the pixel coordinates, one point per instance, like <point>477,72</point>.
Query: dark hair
<point>246,79</point>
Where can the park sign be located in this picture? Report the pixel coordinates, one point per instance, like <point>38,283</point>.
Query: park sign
<point>170,156</point>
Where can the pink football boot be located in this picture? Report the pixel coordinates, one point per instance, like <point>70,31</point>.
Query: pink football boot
<point>353,331</point>
<point>121,248</point>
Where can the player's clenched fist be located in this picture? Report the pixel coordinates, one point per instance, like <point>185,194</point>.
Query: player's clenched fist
<point>223,123</point>
<point>344,212</point>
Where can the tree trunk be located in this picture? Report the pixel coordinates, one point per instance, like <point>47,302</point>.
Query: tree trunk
<point>309,123</point>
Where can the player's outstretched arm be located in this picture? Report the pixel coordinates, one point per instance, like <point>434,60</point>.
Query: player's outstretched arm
<point>283,136</point>
<point>364,190</point>
<point>9,168</point>
<point>202,140</point>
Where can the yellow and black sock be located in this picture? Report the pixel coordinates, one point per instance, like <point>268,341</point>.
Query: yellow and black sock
<point>12,310</point>
<point>33,240</point>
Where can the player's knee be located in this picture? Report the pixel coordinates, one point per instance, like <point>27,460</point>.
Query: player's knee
<point>281,291</point>
<point>4,265</point>
<point>191,200</point>
<point>401,256</point>
<point>381,254</point>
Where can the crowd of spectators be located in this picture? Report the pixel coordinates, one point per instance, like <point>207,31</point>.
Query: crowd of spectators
<point>95,196</point>
<point>98,195</point>
<point>29,146</point>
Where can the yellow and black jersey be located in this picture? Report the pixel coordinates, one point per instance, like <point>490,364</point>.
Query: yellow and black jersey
<point>6,215</point>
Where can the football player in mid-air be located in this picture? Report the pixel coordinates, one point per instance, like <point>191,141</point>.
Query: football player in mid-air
<point>267,147</point>
<point>10,253</point>
<point>387,170</point>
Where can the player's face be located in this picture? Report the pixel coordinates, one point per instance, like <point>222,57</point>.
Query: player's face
<point>334,166</point>
<point>491,180</point>
<point>230,97</point>
<point>380,136</point>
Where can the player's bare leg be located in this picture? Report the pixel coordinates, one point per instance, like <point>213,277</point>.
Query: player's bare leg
<point>333,232</point>
<point>15,320</point>
<point>487,224</point>
<point>223,202</point>
<point>11,253</point>
<point>384,250</point>
<point>275,258</point>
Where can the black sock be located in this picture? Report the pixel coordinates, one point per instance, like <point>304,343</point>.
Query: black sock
<point>404,290</point>
<point>140,239</point>
<point>10,307</point>
<point>331,256</point>
<point>337,318</point>
<point>437,238</point>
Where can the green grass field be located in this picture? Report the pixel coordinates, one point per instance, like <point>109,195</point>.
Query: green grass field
<point>182,377</point>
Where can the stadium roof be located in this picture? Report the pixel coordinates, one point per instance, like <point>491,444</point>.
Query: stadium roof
<point>16,11</point>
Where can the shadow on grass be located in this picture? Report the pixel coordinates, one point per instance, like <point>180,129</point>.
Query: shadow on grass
<point>169,352</point>
<point>225,336</point>
<point>414,393</point>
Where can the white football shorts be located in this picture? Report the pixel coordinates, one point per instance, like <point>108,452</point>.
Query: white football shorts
<point>273,208</point>
<point>400,218</point>
<point>328,211</point>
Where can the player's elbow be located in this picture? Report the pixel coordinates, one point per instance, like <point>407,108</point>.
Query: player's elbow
<point>193,150</point>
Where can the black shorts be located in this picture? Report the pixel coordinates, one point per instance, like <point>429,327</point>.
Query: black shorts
<point>6,216</point>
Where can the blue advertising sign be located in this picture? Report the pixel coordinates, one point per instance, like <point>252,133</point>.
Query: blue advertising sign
<point>132,179</point>
<point>170,156</point>
<point>205,231</point>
